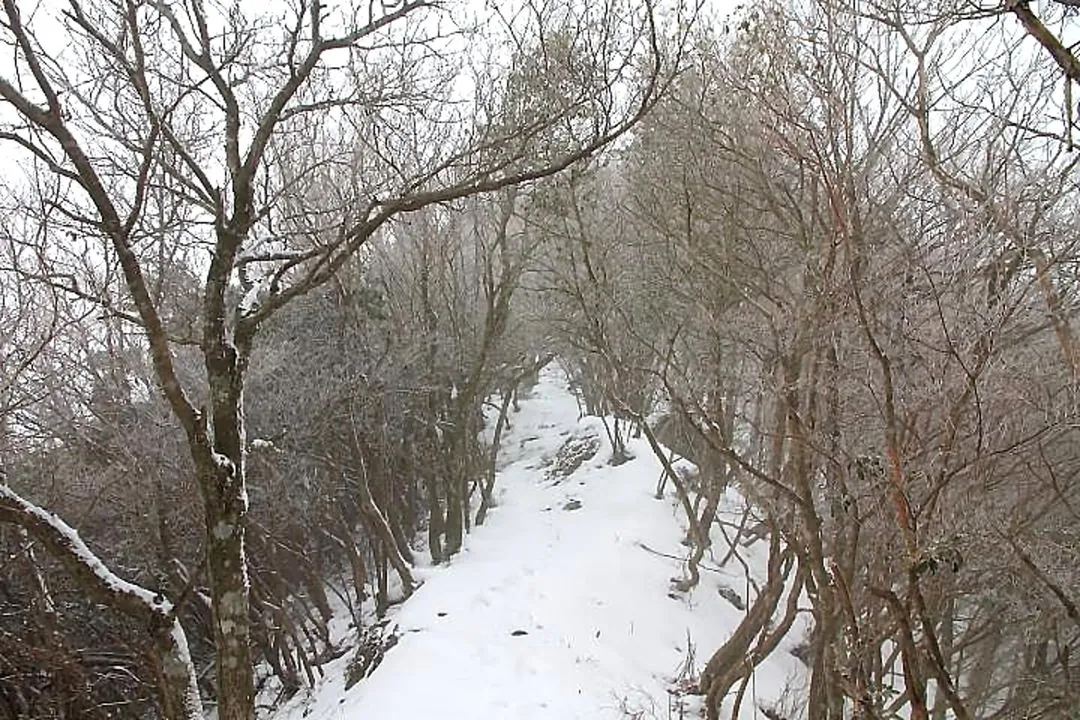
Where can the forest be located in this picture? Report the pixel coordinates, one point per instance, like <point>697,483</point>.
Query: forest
<point>272,278</point>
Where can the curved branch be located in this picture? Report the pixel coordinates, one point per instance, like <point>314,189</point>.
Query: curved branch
<point>1036,29</point>
<point>180,694</point>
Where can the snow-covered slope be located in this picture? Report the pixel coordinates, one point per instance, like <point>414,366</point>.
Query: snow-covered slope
<point>561,605</point>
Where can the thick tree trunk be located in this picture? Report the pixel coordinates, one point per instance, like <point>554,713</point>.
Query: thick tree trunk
<point>179,690</point>
<point>225,513</point>
<point>454,508</point>
<point>455,468</point>
<point>219,454</point>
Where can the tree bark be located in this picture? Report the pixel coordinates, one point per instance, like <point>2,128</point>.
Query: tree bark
<point>729,662</point>
<point>225,513</point>
<point>219,452</point>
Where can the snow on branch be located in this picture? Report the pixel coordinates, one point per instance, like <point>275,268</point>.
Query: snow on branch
<point>64,543</point>
<point>178,681</point>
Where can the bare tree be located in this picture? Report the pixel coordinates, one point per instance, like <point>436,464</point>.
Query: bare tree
<point>867,230</point>
<point>282,144</point>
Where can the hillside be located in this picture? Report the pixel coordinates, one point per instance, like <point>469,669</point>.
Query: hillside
<point>561,604</point>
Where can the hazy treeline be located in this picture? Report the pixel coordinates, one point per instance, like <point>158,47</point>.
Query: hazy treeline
<point>270,292</point>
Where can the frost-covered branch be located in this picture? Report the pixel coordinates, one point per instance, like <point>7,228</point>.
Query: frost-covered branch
<point>179,690</point>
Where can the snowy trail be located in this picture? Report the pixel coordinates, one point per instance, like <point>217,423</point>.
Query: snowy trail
<point>554,609</point>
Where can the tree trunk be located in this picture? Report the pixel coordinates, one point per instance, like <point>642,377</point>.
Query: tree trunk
<point>393,517</point>
<point>488,488</point>
<point>729,662</point>
<point>220,464</point>
<point>435,522</point>
<point>454,509</point>
<point>455,503</point>
<point>382,595</point>
<point>941,703</point>
<point>226,509</point>
<point>377,521</point>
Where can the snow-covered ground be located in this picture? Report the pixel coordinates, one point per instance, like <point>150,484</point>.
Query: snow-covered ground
<point>561,604</point>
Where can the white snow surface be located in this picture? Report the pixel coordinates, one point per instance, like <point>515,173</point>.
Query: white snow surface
<point>605,637</point>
